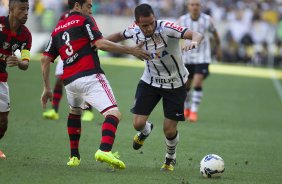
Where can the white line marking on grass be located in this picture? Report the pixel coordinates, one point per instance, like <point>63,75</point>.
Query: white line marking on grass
<point>276,83</point>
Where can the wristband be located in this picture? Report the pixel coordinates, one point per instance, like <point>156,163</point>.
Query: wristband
<point>25,55</point>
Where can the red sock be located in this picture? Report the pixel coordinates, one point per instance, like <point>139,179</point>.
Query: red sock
<point>74,130</point>
<point>57,96</point>
<point>109,128</point>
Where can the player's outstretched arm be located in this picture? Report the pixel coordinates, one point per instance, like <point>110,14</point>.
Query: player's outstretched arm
<point>109,46</point>
<point>14,61</point>
<point>218,46</point>
<point>47,91</point>
<point>116,37</point>
<point>195,37</point>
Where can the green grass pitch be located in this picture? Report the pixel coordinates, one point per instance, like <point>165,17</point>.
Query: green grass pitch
<point>239,119</point>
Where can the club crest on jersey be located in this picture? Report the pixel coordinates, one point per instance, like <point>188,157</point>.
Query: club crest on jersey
<point>157,38</point>
<point>6,45</point>
<point>15,47</point>
<point>158,55</point>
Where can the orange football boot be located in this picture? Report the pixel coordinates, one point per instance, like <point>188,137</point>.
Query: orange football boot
<point>193,117</point>
<point>186,113</point>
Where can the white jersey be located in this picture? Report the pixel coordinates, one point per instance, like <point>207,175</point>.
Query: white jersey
<point>165,69</point>
<point>205,26</point>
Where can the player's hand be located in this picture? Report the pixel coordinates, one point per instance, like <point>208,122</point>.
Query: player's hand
<point>138,52</point>
<point>46,95</point>
<point>192,45</point>
<point>12,61</point>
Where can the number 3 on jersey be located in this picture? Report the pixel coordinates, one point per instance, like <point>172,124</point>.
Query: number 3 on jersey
<point>66,38</point>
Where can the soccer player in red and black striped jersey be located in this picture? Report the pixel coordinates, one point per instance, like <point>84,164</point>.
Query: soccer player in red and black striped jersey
<point>53,113</point>
<point>73,39</point>
<point>13,36</point>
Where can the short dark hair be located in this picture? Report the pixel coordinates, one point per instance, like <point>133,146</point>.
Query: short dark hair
<point>143,10</point>
<point>11,2</point>
<point>71,3</point>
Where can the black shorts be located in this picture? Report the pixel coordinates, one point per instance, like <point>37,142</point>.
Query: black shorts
<point>198,68</point>
<point>147,97</point>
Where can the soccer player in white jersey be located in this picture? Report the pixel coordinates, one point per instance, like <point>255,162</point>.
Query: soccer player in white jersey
<point>164,76</point>
<point>197,60</point>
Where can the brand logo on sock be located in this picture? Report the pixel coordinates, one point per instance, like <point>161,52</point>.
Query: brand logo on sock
<point>177,114</point>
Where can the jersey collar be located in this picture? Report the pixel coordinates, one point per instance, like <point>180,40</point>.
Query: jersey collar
<point>75,13</point>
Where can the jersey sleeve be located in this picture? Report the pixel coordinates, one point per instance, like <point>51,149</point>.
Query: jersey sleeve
<point>92,30</point>
<point>129,32</point>
<point>173,30</point>
<point>51,50</point>
<point>26,46</point>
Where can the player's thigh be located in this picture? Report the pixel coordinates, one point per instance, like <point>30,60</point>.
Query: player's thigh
<point>4,97</point>
<point>59,68</point>
<point>74,98</point>
<point>146,99</point>
<point>173,103</point>
<point>100,95</point>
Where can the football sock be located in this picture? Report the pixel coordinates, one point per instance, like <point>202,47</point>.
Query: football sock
<point>147,129</point>
<point>171,144</point>
<point>57,96</point>
<point>187,103</point>
<point>74,131</point>
<point>109,128</point>
<point>196,98</point>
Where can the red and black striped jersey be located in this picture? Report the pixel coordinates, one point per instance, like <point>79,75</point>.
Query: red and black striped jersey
<point>10,42</point>
<point>72,39</point>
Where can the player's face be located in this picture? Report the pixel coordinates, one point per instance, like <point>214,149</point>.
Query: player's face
<point>20,12</point>
<point>86,8</point>
<point>147,25</point>
<point>194,7</point>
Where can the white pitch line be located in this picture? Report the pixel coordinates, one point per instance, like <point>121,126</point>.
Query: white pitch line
<point>276,83</point>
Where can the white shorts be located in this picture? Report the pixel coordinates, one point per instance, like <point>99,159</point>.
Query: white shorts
<point>95,90</point>
<point>4,97</point>
<point>59,68</point>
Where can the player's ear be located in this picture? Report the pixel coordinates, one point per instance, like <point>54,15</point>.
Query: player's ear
<point>77,6</point>
<point>136,22</point>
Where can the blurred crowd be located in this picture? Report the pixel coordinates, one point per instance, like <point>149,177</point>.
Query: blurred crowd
<point>251,31</point>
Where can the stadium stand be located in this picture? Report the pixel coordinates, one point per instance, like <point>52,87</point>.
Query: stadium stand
<point>251,31</point>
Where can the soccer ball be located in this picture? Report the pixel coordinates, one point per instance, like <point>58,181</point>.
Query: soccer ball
<point>212,166</point>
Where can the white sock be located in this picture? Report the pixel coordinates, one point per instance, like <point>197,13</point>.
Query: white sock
<point>196,100</point>
<point>171,147</point>
<point>187,104</point>
<point>147,129</point>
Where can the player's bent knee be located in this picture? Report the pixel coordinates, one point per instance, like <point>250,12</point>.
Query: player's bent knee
<point>139,125</point>
<point>116,113</point>
<point>75,111</point>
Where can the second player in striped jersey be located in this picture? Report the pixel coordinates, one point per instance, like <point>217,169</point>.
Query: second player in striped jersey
<point>197,60</point>
<point>164,76</point>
